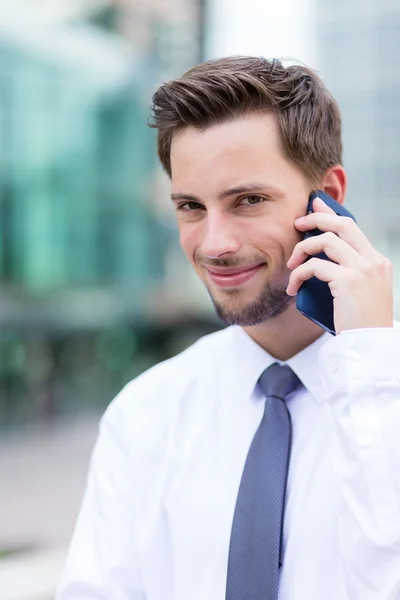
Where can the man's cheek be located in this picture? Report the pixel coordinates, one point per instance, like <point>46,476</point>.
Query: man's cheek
<point>189,245</point>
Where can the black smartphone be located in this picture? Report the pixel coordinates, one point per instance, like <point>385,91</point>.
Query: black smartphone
<point>314,299</point>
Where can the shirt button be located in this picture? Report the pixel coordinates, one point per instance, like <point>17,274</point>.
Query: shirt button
<point>334,365</point>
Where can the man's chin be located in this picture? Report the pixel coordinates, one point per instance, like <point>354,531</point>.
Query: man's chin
<point>234,310</point>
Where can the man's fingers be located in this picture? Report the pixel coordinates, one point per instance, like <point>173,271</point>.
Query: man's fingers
<point>320,206</point>
<point>322,269</point>
<point>344,227</point>
<point>334,247</point>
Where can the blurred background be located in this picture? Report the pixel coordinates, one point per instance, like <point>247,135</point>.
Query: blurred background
<point>93,286</point>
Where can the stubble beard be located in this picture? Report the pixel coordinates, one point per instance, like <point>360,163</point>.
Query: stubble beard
<point>271,303</point>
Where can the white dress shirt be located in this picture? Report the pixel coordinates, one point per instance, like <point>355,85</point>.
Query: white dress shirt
<point>156,517</point>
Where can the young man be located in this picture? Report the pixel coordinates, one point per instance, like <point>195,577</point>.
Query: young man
<point>189,485</point>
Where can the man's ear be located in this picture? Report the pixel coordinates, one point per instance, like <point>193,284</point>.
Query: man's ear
<point>334,183</point>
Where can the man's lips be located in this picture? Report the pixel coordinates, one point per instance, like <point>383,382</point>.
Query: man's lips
<point>232,276</point>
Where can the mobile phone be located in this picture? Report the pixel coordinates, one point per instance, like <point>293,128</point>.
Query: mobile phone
<point>314,299</point>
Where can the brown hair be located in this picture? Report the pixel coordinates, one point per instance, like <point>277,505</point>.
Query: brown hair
<point>219,90</point>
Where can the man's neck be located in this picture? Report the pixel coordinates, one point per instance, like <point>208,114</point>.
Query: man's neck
<point>285,335</point>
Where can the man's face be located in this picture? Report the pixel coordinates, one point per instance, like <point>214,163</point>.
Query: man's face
<point>237,197</point>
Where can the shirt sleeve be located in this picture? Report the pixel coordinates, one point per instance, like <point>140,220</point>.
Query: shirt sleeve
<point>361,378</point>
<point>101,563</point>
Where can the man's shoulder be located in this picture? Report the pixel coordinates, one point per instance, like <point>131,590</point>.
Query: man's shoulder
<point>167,382</point>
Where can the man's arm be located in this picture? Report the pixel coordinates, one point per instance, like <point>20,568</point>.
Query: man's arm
<point>101,563</point>
<point>361,375</point>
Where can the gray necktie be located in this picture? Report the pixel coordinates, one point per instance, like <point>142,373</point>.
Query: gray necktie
<point>255,552</point>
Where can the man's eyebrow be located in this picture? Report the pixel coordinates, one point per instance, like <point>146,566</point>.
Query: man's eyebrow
<point>247,188</point>
<point>188,197</point>
<point>241,189</point>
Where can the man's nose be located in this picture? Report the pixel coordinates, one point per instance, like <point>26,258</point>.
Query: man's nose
<point>221,235</point>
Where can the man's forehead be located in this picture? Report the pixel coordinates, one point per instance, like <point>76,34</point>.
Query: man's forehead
<point>233,160</point>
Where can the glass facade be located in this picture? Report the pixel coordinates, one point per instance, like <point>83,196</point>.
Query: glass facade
<point>360,62</point>
<point>84,253</point>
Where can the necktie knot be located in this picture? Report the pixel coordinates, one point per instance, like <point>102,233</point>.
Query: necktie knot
<point>278,380</point>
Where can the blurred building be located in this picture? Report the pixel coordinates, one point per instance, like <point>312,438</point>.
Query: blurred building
<point>360,62</point>
<point>85,253</point>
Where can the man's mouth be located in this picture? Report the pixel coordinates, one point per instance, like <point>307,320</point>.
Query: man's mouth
<point>228,277</point>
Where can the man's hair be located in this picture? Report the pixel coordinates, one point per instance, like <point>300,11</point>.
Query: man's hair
<point>222,90</point>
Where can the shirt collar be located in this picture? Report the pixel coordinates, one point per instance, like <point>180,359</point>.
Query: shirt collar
<point>306,366</point>
<point>249,360</point>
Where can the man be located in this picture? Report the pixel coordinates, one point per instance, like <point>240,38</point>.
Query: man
<point>188,485</point>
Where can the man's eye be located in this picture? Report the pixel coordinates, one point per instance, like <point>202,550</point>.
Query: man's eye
<point>189,206</point>
<point>252,200</point>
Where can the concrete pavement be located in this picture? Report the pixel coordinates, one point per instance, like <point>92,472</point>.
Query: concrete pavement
<point>42,477</point>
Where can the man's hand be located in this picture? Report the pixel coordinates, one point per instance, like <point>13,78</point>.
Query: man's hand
<point>360,278</point>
